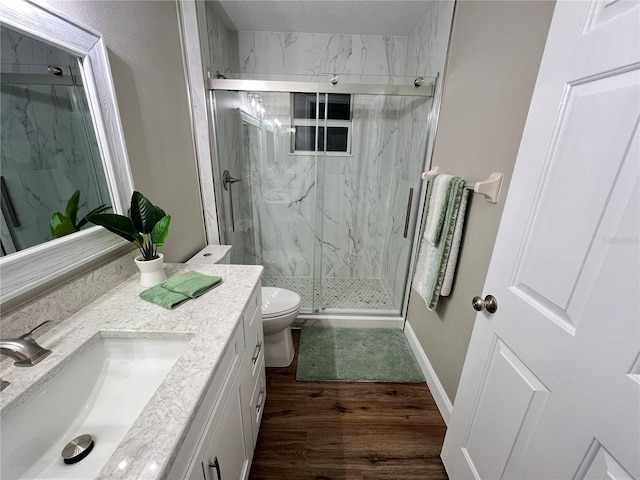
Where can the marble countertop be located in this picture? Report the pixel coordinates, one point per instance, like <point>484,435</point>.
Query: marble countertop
<point>209,322</point>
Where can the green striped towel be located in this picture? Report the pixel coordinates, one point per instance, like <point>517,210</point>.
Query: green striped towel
<point>163,297</point>
<point>191,284</point>
<point>432,260</point>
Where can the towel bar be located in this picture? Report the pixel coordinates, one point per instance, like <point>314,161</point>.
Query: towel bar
<point>489,188</point>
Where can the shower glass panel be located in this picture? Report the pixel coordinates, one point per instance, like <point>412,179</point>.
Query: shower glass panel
<point>365,254</point>
<point>323,197</point>
<point>268,215</point>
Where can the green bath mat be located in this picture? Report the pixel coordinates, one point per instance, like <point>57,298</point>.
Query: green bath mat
<point>356,355</point>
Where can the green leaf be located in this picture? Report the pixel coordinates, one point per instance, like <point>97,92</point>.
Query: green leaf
<point>144,214</point>
<point>118,224</point>
<point>100,209</point>
<point>56,219</point>
<point>61,225</point>
<point>72,206</point>
<point>161,231</point>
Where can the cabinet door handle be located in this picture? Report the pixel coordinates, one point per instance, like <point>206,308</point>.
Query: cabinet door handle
<point>256,354</point>
<point>216,464</point>
<point>260,399</point>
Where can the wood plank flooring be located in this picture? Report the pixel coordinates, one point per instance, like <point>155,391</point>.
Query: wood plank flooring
<point>347,431</point>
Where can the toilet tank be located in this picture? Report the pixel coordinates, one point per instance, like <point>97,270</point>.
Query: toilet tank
<point>212,254</point>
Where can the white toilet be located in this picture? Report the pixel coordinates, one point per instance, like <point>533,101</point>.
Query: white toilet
<point>280,308</point>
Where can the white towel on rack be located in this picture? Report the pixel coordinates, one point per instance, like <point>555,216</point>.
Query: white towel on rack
<point>433,259</point>
<point>447,283</point>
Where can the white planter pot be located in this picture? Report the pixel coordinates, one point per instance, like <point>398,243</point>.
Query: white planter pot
<point>151,271</point>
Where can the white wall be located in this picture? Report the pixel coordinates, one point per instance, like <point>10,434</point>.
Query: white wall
<point>493,60</point>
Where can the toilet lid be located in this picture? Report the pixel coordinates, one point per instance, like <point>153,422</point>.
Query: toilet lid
<point>278,301</point>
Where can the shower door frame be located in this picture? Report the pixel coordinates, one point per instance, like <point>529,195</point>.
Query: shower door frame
<point>433,90</point>
<point>426,90</point>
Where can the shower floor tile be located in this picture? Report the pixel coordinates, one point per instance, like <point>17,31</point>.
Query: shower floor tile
<point>343,293</point>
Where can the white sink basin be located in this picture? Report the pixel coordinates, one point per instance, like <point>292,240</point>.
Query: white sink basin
<point>101,393</point>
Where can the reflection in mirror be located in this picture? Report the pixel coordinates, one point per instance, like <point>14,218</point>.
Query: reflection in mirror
<point>69,135</point>
<point>49,147</point>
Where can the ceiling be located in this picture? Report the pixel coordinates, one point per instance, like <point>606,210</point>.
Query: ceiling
<point>360,17</point>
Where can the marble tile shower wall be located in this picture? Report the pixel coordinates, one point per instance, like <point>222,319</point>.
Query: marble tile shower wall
<point>407,166</point>
<point>426,54</point>
<point>317,53</point>
<point>220,53</point>
<point>356,192</point>
<point>222,42</point>
<point>284,194</point>
<point>251,144</point>
<point>44,142</point>
<point>388,154</point>
<point>356,187</point>
<point>230,151</point>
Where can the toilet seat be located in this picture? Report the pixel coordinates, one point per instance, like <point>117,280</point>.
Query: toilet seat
<point>277,302</point>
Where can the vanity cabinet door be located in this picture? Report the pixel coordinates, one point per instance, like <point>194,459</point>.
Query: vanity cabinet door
<point>226,456</point>
<point>254,388</point>
<point>256,403</point>
<point>188,463</point>
<point>254,334</point>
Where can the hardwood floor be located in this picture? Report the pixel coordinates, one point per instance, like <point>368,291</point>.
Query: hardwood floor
<point>347,431</point>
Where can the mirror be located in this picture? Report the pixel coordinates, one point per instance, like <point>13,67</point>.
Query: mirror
<point>49,147</point>
<point>61,132</point>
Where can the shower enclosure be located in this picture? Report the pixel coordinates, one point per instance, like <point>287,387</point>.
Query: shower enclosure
<point>319,182</point>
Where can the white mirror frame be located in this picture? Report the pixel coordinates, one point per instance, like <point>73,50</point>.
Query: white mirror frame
<point>41,265</point>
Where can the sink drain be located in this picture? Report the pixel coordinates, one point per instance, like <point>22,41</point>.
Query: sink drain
<point>77,449</point>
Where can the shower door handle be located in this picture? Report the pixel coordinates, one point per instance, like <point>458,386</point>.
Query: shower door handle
<point>407,216</point>
<point>227,180</point>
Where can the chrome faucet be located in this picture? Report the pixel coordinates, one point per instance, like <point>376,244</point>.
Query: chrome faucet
<point>24,350</point>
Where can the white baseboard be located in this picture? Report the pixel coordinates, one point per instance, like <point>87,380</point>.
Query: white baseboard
<point>433,382</point>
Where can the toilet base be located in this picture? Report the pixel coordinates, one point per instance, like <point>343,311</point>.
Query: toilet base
<point>278,349</point>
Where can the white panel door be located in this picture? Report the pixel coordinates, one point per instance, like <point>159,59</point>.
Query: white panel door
<point>551,384</point>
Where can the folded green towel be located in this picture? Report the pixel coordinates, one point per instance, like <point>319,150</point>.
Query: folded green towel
<point>191,284</point>
<point>163,297</point>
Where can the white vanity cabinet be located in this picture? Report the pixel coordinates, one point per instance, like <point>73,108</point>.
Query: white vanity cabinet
<point>221,440</point>
<point>254,391</point>
<point>224,453</point>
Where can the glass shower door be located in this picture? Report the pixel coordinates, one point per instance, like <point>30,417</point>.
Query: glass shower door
<point>322,190</point>
<point>371,187</point>
<point>269,214</point>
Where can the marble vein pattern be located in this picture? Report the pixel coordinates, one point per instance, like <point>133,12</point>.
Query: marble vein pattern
<point>49,148</point>
<point>318,53</point>
<point>222,42</point>
<point>427,43</point>
<point>426,55</point>
<point>152,443</point>
<point>337,216</point>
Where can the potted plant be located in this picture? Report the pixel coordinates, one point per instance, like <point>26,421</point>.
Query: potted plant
<point>65,223</point>
<point>147,227</point>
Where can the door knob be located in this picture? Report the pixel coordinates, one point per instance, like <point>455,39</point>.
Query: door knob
<point>490,304</point>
